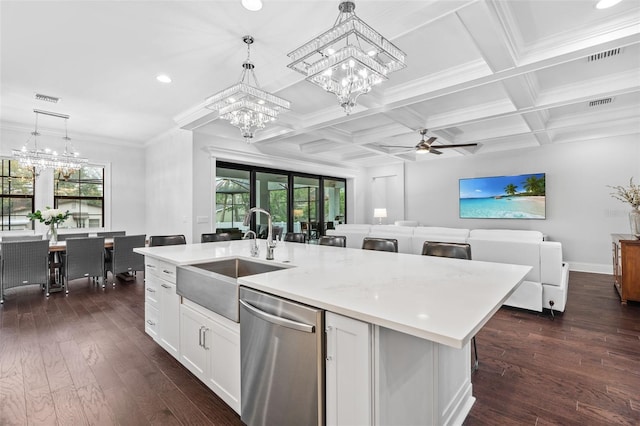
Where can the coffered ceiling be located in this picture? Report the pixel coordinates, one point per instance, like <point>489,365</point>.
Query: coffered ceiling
<point>504,74</point>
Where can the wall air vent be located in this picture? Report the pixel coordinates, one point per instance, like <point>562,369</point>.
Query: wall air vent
<point>603,55</point>
<point>599,102</point>
<point>46,98</point>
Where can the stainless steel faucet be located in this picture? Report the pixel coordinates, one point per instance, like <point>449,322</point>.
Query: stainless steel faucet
<point>271,244</point>
<point>255,251</point>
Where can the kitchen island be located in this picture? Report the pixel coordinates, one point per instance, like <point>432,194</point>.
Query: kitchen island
<point>419,314</point>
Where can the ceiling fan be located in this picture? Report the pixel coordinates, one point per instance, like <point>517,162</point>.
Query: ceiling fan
<point>424,146</point>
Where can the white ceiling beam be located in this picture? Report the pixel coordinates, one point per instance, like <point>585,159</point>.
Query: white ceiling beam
<point>485,30</point>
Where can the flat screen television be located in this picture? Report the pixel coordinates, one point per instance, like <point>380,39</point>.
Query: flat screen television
<point>503,197</point>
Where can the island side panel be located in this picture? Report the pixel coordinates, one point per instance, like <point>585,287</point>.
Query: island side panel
<point>420,382</point>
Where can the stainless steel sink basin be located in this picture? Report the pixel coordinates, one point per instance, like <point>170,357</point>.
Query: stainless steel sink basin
<point>214,285</point>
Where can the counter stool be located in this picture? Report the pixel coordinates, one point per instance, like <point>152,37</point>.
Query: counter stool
<point>456,251</point>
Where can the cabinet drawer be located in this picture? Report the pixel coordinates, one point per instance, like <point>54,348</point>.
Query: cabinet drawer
<point>151,319</point>
<point>160,268</point>
<point>151,292</point>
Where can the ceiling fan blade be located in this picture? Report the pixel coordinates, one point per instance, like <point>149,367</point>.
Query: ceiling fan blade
<point>431,140</point>
<point>434,151</point>
<point>455,146</point>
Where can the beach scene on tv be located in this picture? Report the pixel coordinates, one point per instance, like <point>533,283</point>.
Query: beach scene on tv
<point>503,197</point>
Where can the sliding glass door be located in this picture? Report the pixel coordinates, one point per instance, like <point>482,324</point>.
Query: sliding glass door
<point>297,202</point>
<point>335,207</point>
<point>233,199</point>
<point>305,206</point>
<point>271,191</point>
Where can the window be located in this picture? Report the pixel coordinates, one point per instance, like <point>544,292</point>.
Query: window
<point>16,196</point>
<point>82,193</point>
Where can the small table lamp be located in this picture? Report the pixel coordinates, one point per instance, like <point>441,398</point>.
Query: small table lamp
<point>379,214</point>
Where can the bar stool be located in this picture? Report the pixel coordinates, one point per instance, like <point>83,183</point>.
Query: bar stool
<point>456,251</point>
<point>380,244</point>
<point>333,240</point>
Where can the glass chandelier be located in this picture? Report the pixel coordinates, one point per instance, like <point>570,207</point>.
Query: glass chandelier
<point>40,159</point>
<point>349,59</point>
<point>247,107</point>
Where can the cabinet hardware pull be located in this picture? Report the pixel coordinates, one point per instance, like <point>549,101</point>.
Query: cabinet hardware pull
<point>204,338</point>
<point>165,286</point>
<point>329,358</point>
<point>151,266</point>
<point>150,290</point>
<point>151,322</point>
<point>200,336</point>
<point>167,272</point>
<point>284,322</point>
<point>328,329</point>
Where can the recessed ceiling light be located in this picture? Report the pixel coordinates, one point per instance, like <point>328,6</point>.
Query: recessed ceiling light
<point>163,78</point>
<point>252,5</point>
<point>604,4</point>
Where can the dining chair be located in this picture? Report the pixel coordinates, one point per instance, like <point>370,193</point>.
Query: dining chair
<point>84,257</point>
<point>9,238</point>
<point>24,263</point>
<point>166,240</point>
<point>123,258</point>
<point>380,244</point>
<point>215,237</point>
<point>64,237</point>
<point>295,237</point>
<point>111,234</point>
<point>333,240</point>
<point>456,251</point>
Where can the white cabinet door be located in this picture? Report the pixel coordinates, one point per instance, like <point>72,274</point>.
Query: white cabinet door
<point>193,353</point>
<point>169,334</point>
<point>224,376</point>
<point>349,392</point>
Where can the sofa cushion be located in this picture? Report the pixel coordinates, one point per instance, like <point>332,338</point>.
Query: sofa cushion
<point>506,234</point>
<point>513,252</point>
<point>401,233</point>
<point>406,223</point>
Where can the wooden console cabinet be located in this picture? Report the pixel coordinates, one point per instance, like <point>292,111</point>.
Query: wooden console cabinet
<point>626,266</point>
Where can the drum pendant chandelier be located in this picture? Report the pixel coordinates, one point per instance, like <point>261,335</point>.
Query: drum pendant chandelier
<point>349,59</point>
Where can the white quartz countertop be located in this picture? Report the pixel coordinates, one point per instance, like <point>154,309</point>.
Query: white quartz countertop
<point>443,300</point>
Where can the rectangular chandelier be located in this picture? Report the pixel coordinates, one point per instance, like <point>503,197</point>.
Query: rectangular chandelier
<point>349,59</point>
<point>247,107</point>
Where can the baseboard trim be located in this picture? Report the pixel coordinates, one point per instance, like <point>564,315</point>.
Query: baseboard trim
<point>594,268</point>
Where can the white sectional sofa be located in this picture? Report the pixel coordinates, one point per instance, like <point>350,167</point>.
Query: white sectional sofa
<point>546,286</point>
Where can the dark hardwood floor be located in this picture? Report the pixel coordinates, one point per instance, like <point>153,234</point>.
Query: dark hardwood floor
<point>85,359</point>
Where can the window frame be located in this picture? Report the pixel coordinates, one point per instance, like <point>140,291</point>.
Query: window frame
<point>81,198</point>
<point>10,196</point>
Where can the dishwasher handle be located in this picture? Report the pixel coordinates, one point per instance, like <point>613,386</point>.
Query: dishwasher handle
<point>307,328</point>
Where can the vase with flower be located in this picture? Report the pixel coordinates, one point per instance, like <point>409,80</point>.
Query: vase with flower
<point>631,195</point>
<point>52,218</point>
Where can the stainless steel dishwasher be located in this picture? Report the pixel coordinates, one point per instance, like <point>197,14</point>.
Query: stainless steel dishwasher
<point>282,368</point>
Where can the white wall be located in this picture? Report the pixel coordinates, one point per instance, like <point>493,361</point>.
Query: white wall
<point>169,194</point>
<point>581,214</point>
<point>124,166</point>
